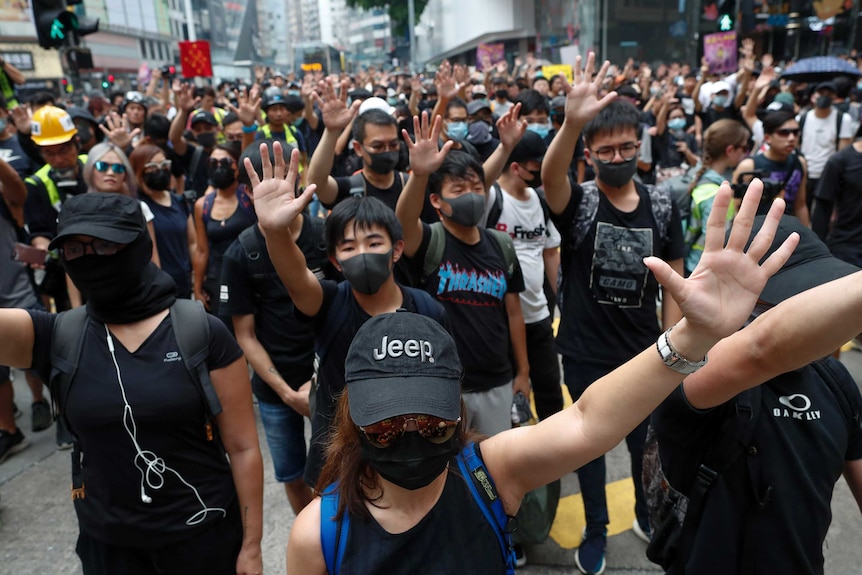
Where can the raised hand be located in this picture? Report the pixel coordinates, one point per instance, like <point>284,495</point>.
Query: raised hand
<point>118,132</point>
<point>721,292</point>
<point>336,114</point>
<point>248,110</point>
<point>184,97</point>
<point>274,192</point>
<point>582,101</point>
<point>425,157</point>
<point>21,119</point>
<point>445,81</point>
<point>767,75</point>
<point>510,128</point>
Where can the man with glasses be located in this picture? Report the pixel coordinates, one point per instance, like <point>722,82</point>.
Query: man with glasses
<point>608,296</point>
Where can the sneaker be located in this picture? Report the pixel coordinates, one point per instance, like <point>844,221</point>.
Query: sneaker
<point>64,438</point>
<point>641,533</point>
<point>520,556</point>
<point>41,417</point>
<point>17,412</point>
<point>11,443</point>
<point>590,556</point>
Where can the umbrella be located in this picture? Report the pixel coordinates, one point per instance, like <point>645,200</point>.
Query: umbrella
<point>819,69</point>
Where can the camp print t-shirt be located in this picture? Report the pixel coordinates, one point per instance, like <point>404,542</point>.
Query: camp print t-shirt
<point>472,282</point>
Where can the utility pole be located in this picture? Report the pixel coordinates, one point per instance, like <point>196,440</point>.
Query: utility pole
<point>411,26</point>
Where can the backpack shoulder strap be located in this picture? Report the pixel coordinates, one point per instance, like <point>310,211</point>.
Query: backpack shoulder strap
<point>546,210</point>
<point>192,332</point>
<point>333,533</point>
<point>434,253</point>
<point>357,184</point>
<point>829,371</point>
<point>483,490</point>
<point>586,214</point>
<point>510,257</point>
<point>250,244</point>
<point>661,202</point>
<point>839,116</point>
<point>496,207</point>
<point>335,318</point>
<point>196,159</point>
<point>317,227</point>
<point>209,200</point>
<point>67,341</point>
<point>802,119</point>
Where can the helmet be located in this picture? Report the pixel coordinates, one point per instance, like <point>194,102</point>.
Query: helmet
<point>270,99</point>
<point>51,126</point>
<point>133,97</point>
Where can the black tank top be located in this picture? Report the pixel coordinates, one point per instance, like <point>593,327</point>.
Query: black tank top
<point>454,538</point>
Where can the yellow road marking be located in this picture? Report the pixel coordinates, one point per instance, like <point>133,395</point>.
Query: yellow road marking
<point>569,524</point>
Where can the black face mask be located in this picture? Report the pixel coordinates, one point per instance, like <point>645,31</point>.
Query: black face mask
<point>159,180</point>
<point>206,139</point>
<point>106,281</point>
<point>536,180</point>
<point>616,175</point>
<point>467,209</point>
<point>502,94</point>
<point>221,178</point>
<point>823,102</point>
<point>382,162</point>
<point>367,273</point>
<point>411,462</point>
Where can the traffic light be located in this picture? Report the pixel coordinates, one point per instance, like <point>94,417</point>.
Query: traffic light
<point>726,15</point>
<point>54,24</point>
<point>108,82</point>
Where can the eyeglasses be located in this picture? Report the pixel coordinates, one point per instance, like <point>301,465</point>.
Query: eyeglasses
<point>434,429</point>
<point>787,132</point>
<point>377,148</point>
<point>163,165</point>
<point>606,154</point>
<point>103,167</point>
<point>233,137</point>
<point>74,249</point>
<point>222,163</point>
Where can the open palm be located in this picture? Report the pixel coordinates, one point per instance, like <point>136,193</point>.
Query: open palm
<point>336,113</point>
<point>425,157</point>
<point>582,96</point>
<point>274,191</point>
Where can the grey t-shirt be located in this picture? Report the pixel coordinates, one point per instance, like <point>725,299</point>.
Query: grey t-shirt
<point>15,287</point>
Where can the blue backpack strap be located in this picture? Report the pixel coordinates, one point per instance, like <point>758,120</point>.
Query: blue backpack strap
<point>209,200</point>
<point>333,533</point>
<point>335,318</point>
<point>476,475</point>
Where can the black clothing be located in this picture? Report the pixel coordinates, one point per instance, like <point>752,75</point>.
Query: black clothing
<point>13,154</point>
<point>289,342</point>
<point>472,282</point>
<point>711,115</point>
<point>667,154</point>
<point>199,180</point>
<point>840,187</point>
<point>169,423</point>
<point>330,375</point>
<point>388,196</point>
<point>39,212</point>
<point>802,437</point>
<point>777,173</point>
<point>172,240</point>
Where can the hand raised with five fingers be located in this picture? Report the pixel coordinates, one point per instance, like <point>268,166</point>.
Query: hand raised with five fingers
<point>582,96</point>
<point>248,108</point>
<point>184,96</point>
<point>336,114</point>
<point>118,132</point>
<point>719,295</point>
<point>275,200</point>
<point>425,157</point>
<point>510,128</point>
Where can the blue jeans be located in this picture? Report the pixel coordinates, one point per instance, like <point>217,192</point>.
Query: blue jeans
<point>578,376</point>
<point>285,435</point>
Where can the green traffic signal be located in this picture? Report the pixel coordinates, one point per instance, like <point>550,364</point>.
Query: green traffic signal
<point>725,23</point>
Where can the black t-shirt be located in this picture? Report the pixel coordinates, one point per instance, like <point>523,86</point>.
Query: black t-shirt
<point>167,416</point>
<point>388,196</point>
<point>668,155</point>
<point>710,115</point>
<point>40,214</point>
<point>802,438</point>
<point>13,154</point>
<point>471,282</point>
<point>172,240</point>
<point>608,294</point>
<point>330,376</point>
<point>199,180</point>
<point>248,288</point>
<point>841,184</point>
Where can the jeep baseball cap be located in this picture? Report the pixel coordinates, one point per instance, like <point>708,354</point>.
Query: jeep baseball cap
<point>402,363</point>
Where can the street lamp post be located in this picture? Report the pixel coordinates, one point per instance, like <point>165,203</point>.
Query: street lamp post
<point>411,25</point>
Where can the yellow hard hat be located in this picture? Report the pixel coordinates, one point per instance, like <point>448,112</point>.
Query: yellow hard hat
<point>51,126</point>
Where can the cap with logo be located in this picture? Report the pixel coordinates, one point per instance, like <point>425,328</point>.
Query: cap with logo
<point>810,265</point>
<point>402,363</point>
<point>51,125</point>
<point>112,217</point>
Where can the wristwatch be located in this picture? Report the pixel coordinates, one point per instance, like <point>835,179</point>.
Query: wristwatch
<point>673,359</point>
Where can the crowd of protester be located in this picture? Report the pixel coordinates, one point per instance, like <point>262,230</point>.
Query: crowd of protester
<point>490,202</point>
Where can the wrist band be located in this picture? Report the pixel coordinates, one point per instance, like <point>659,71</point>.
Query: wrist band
<point>673,359</point>
<point>249,129</point>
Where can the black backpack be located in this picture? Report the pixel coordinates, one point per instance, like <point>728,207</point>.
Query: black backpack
<point>191,330</point>
<point>497,206</point>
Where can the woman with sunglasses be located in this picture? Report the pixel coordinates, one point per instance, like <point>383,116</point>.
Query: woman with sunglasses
<point>157,486</point>
<point>783,171</point>
<point>173,225</point>
<point>220,216</point>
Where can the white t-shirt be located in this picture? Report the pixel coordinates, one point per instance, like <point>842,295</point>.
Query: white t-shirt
<point>819,140</point>
<point>148,213</point>
<point>524,221</point>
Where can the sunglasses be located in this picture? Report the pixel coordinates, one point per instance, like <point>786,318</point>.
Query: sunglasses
<point>786,132</point>
<point>434,429</point>
<point>104,166</point>
<point>222,163</point>
<point>163,165</point>
<point>74,249</point>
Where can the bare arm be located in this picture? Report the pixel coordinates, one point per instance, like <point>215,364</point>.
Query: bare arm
<point>14,73</point>
<point>800,204</point>
<point>518,340</point>
<point>511,130</point>
<point>336,117</point>
<point>551,256</point>
<point>853,475</point>
<point>13,191</point>
<point>185,102</point>
<point>304,552</point>
<point>18,338</point>
<point>239,436</point>
<point>201,254</point>
<point>263,366</point>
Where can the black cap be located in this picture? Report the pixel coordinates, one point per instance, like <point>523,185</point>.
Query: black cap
<point>627,91</point>
<point>203,116</point>
<point>112,217</point>
<point>827,86</point>
<point>252,152</point>
<point>810,265</point>
<point>294,103</point>
<point>81,113</point>
<point>402,363</point>
<point>531,147</point>
<point>359,94</point>
<point>476,105</point>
